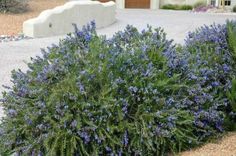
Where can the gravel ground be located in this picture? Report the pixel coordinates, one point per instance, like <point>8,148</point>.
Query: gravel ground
<point>8,38</point>
<point>223,147</point>
<point>11,24</point>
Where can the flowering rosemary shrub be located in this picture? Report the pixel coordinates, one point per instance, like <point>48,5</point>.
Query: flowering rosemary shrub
<point>211,68</point>
<point>133,94</point>
<point>95,96</point>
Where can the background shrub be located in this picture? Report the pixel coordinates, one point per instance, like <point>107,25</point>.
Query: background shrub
<point>203,8</point>
<point>200,4</point>
<point>231,118</point>
<point>186,7</point>
<point>167,6</point>
<point>231,28</point>
<point>177,7</point>
<point>231,33</point>
<point>13,6</point>
<point>234,8</point>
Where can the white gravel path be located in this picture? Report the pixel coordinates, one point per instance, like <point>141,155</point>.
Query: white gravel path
<point>13,55</point>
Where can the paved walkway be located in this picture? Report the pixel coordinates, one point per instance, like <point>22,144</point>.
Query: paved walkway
<point>176,24</point>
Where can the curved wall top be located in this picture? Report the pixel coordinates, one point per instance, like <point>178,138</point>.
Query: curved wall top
<point>59,20</point>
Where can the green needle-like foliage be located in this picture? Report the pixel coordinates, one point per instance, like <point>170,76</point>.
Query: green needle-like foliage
<point>132,94</point>
<point>232,38</point>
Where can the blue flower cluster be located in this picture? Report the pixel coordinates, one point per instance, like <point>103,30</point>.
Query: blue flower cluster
<point>211,69</point>
<point>133,94</point>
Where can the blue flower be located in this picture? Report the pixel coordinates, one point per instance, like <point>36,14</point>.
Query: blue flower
<point>125,139</point>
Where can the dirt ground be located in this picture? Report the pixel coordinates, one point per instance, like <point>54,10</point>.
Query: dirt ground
<point>11,24</point>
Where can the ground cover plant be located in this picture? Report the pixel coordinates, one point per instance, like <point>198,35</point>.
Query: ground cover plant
<point>201,6</point>
<point>136,93</point>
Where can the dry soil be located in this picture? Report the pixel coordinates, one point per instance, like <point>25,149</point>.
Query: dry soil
<point>11,24</point>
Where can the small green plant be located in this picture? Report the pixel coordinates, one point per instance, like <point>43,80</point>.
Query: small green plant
<point>231,29</point>
<point>200,4</point>
<point>167,6</point>
<point>13,6</point>
<point>177,7</point>
<point>231,118</point>
<point>186,7</point>
<point>232,96</point>
<point>231,34</point>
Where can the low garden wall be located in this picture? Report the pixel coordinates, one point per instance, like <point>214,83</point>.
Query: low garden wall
<point>59,20</point>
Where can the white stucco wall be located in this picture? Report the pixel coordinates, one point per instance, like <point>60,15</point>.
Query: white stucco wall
<point>233,3</point>
<point>155,4</point>
<point>179,2</point>
<point>192,2</point>
<point>120,4</point>
<point>164,2</point>
<point>59,20</point>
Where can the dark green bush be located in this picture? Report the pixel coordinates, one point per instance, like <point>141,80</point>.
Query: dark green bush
<point>13,6</point>
<point>177,7</point>
<point>168,6</point>
<point>234,8</point>
<point>231,33</point>
<point>231,94</point>
<point>186,7</point>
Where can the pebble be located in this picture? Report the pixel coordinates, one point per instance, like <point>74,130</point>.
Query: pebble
<point>9,38</point>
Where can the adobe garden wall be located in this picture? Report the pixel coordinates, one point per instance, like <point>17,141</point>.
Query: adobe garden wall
<point>59,20</point>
